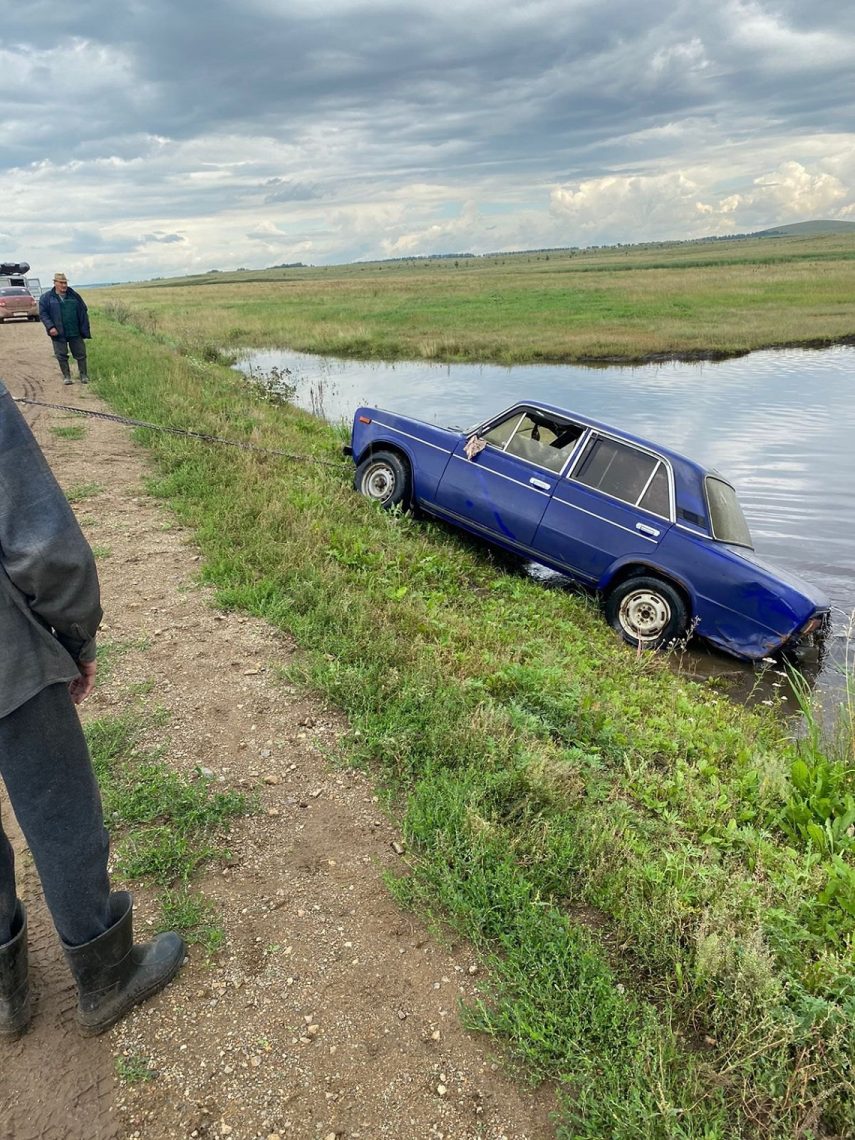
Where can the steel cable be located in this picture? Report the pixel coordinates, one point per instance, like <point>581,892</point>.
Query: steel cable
<point>242,444</point>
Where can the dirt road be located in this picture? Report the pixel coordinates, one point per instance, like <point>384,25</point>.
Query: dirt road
<point>329,1013</point>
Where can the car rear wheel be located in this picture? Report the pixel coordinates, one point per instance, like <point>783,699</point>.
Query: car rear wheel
<point>384,478</point>
<point>647,612</point>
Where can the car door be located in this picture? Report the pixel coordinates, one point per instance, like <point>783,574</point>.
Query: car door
<point>616,501</point>
<point>503,489</point>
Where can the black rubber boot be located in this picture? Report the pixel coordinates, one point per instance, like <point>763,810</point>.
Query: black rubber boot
<point>14,987</point>
<point>113,975</point>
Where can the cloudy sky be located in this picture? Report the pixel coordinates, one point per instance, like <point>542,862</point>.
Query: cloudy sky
<point>142,138</point>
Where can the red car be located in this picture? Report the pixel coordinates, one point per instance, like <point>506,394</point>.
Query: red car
<point>17,302</point>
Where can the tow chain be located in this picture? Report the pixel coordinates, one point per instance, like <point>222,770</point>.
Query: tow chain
<point>242,444</point>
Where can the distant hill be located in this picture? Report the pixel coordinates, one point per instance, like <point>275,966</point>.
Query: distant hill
<point>807,229</point>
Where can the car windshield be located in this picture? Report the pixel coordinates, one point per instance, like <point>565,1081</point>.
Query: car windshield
<point>728,521</point>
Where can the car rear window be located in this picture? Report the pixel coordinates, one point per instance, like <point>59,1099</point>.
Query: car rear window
<point>14,292</point>
<point>728,521</point>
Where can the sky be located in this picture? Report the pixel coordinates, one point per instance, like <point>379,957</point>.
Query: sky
<point>144,138</point>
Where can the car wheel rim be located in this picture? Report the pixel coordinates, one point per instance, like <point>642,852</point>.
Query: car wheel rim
<point>644,615</point>
<point>379,482</point>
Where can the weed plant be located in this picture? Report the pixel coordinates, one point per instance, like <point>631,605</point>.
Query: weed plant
<point>668,935</point>
<point>133,1068</point>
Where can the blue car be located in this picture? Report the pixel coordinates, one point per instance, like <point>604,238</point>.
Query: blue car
<point>660,538</point>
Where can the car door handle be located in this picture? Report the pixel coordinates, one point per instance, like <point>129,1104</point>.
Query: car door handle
<point>540,483</point>
<point>645,529</point>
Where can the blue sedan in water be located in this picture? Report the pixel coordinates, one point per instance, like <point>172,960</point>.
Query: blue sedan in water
<point>659,537</point>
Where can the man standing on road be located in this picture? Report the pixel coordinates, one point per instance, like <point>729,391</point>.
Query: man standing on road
<point>49,613</point>
<point>64,314</point>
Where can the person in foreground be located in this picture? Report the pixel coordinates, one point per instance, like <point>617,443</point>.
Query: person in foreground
<point>64,314</point>
<point>49,614</point>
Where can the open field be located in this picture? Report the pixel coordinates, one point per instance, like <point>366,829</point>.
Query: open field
<point>632,303</point>
<point>660,884</point>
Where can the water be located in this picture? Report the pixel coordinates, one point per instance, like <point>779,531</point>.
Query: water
<point>780,425</point>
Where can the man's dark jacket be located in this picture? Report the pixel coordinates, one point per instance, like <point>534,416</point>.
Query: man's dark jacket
<point>50,311</point>
<point>49,598</point>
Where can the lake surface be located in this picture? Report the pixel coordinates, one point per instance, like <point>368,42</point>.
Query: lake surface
<point>780,425</point>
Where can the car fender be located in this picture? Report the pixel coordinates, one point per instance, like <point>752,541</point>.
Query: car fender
<point>621,568</point>
<point>426,448</point>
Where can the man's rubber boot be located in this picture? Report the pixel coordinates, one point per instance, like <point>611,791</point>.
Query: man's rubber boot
<point>113,975</point>
<point>66,371</point>
<point>14,986</point>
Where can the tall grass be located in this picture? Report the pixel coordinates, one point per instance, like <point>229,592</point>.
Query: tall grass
<point>623,846</point>
<point>686,300</point>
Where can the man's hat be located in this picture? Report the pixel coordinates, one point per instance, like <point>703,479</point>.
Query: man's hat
<point>60,277</point>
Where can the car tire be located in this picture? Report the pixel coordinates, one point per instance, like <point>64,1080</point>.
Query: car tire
<point>384,478</point>
<point>647,612</point>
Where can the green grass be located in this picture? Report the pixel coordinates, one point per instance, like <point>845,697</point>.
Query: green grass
<point>194,916</point>
<point>164,826</point>
<point>133,1068</point>
<point>110,652</point>
<point>678,299</point>
<point>72,431</point>
<point>79,492</point>
<point>667,936</point>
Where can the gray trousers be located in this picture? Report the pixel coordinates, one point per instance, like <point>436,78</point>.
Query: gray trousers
<point>62,344</point>
<point>45,764</point>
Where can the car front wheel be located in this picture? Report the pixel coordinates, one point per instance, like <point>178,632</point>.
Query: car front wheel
<point>385,478</point>
<point>647,612</point>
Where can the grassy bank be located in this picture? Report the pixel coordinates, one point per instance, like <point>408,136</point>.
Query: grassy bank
<point>660,883</point>
<point>631,304</point>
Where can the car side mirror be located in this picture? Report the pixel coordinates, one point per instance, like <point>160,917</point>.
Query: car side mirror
<point>474,446</point>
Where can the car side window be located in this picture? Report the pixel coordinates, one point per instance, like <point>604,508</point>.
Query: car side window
<point>626,473</point>
<point>536,439</point>
<point>499,434</point>
<point>657,497</point>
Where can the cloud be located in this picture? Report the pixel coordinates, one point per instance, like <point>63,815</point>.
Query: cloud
<point>287,190</point>
<point>92,242</point>
<point>151,141</point>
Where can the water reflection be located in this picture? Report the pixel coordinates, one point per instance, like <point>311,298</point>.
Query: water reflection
<point>779,424</point>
